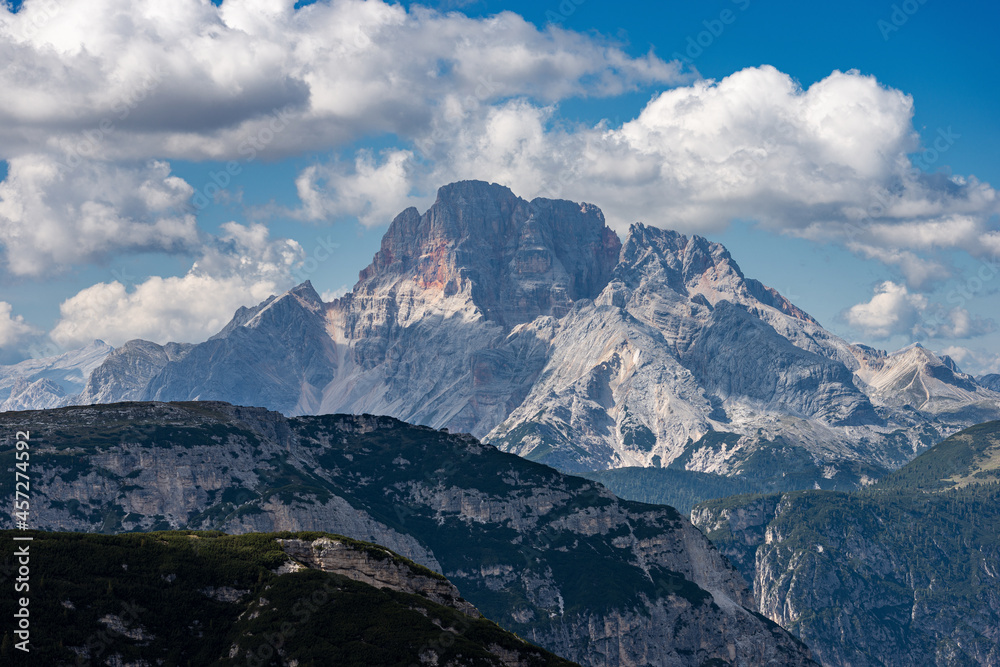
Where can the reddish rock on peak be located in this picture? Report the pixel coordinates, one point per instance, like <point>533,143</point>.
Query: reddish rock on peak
<point>516,259</point>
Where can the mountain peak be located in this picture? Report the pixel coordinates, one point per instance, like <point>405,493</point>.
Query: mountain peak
<point>694,266</point>
<point>515,260</point>
<point>306,292</point>
<point>530,323</point>
<point>462,192</point>
<point>302,296</point>
<point>917,351</point>
<point>690,256</point>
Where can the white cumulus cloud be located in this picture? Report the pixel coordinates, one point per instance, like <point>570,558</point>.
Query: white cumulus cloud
<point>894,310</point>
<point>829,162</point>
<point>243,267</point>
<point>188,79</point>
<point>370,189</point>
<point>100,96</point>
<point>52,216</point>
<point>14,331</point>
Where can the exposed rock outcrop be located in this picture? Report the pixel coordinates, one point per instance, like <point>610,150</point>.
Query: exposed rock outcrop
<point>375,567</point>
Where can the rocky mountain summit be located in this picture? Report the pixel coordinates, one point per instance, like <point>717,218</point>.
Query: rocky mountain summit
<point>373,565</point>
<point>531,326</point>
<point>557,559</point>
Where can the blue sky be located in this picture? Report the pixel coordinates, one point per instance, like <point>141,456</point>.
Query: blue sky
<point>107,242</point>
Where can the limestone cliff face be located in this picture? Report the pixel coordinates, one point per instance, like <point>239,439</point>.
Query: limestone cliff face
<point>556,559</point>
<point>738,529</point>
<point>515,260</point>
<point>436,314</point>
<point>861,596</point>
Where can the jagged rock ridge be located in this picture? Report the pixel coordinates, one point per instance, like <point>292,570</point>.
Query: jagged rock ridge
<point>990,381</point>
<point>374,566</point>
<point>50,382</point>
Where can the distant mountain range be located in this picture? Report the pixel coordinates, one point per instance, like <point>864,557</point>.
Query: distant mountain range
<point>532,326</point>
<point>50,382</point>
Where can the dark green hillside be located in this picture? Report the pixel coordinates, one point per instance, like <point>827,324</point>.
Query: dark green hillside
<point>203,598</point>
<point>429,457</point>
